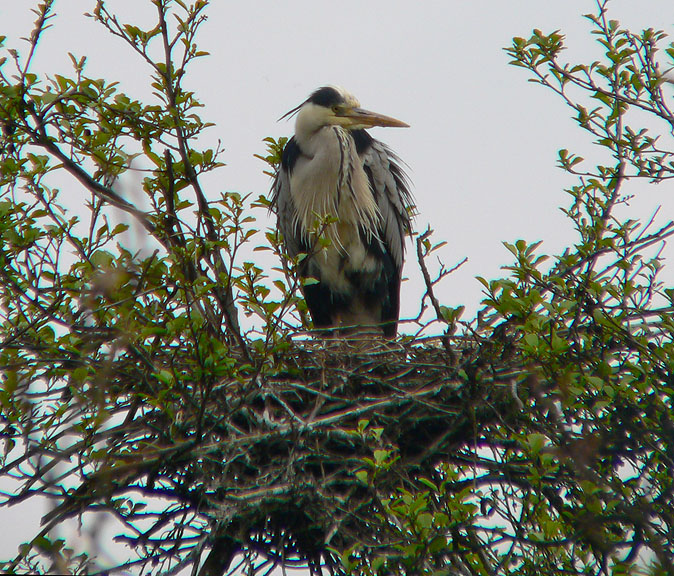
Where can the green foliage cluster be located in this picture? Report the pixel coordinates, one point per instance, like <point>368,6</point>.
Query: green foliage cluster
<point>537,438</point>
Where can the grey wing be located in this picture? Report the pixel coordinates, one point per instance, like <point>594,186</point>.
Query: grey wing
<point>282,204</point>
<point>391,189</point>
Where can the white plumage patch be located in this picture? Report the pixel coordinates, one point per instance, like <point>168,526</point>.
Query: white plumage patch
<point>341,190</point>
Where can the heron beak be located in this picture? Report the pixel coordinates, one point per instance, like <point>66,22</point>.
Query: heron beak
<point>358,117</point>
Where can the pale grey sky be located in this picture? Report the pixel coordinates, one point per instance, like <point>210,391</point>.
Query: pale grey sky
<point>483,142</point>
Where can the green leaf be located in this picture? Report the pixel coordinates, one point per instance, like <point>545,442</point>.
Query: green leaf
<point>363,477</point>
<point>536,442</point>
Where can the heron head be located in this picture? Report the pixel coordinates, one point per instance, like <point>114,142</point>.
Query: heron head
<point>334,106</point>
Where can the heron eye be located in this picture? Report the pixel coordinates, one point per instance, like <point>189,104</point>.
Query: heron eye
<point>336,109</point>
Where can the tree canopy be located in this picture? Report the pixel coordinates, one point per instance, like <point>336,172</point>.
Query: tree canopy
<point>535,438</point>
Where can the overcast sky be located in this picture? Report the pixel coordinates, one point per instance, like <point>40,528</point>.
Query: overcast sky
<point>483,142</point>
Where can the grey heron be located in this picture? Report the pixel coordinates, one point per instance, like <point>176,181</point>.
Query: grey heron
<point>338,184</point>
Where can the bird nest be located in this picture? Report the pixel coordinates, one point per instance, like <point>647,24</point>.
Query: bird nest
<point>285,469</point>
